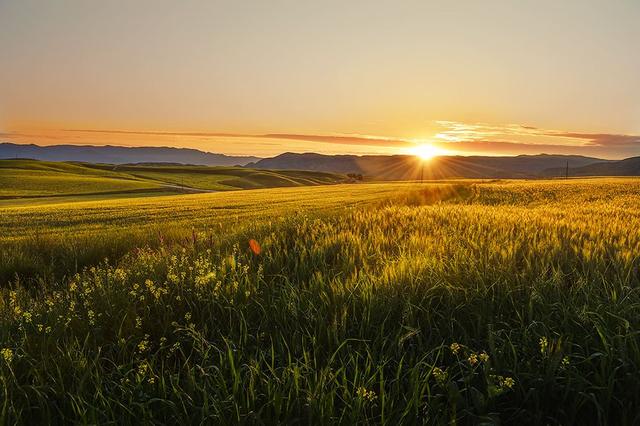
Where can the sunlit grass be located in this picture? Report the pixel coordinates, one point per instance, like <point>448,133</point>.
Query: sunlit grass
<point>512,302</point>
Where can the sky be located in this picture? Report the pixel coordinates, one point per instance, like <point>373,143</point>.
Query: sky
<point>265,77</point>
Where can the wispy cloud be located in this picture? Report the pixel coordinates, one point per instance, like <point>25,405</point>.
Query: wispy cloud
<point>344,139</point>
<point>601,139</point>
<point>453,133</point>
<point>464,132</point>
<point>456,131</point>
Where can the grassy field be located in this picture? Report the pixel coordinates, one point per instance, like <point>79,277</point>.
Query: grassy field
<point>229,178</point>
<point>51,240</point>
<point>30,178</point>
<point>509,302</point>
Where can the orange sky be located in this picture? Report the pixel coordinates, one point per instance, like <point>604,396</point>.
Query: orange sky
<point>261,78</point>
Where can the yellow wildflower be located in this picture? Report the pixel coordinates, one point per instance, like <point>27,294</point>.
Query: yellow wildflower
<point>143,368</point>
<point>508,382</point>
<point>144,344</point>
<point>544,344</point>
<point>473,359</point>
<point>455,347</point>
<point>7,354</point>
<point>365,394</point>
<point>440,376</point>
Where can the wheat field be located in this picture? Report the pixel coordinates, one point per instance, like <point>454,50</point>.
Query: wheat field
<point>464,302</point>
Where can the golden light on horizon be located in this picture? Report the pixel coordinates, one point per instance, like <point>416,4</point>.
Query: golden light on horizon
<point>426,151</point>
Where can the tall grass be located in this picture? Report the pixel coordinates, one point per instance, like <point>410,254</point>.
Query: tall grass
<point>48,242</point>
<point>496,303</point>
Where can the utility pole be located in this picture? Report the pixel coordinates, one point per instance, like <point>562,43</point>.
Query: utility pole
<point>566,172</point>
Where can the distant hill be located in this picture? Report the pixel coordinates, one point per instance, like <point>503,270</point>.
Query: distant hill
<point>399,167</point>
<point>222,178</point>
<point>36,179</point>
<point>120,155</point>
<point>626,167</point>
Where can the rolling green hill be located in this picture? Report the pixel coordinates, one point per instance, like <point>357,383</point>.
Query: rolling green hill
<point>32,178</point>
<point>225,178</point>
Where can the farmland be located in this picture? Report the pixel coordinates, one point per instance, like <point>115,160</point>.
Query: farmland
<point>509,302</point>
<point>30,178</point>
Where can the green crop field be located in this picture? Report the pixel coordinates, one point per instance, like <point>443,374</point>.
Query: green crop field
<point>464,302</point>
<point>42,179</point>
<point>28,178</point>
<point>229,178</point>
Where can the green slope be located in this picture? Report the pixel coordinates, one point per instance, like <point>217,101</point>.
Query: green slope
<point>31,178</point>
<point>225,178</point>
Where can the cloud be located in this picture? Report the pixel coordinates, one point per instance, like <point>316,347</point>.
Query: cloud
<point>460,131</point>
<point>454,133</point>
<point>601,139</point>
<point>345,139</point>
<point>496,147</point>
<point>336,139</point>
<point>465,132</point>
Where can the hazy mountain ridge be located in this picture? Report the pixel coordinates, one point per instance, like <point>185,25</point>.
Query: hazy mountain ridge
<point>627,167</point>
<point>121,155</point>
<point>410,167</point>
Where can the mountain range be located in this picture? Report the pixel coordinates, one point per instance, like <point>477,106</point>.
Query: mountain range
<point>121,155</point>
<point>402,167</point>
<point>384,167</point>
<point>627,167</point>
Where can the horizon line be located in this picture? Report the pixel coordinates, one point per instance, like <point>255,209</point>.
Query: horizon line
<point>298,152</point>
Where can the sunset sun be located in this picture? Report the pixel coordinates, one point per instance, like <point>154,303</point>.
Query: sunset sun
<point>425,151</point>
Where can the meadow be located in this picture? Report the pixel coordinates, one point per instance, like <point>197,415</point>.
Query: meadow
<point>29,178</point>
<point>21,178</point>
<point>464,302</point>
